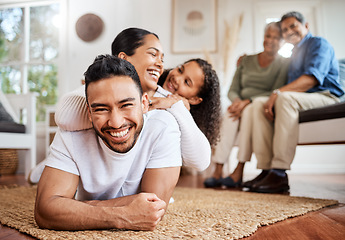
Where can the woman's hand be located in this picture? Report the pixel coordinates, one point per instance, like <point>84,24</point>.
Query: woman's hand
<point>236,108</point>
<point>164,103</point>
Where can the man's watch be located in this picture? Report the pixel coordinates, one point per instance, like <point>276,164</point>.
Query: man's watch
<point>276,91</point>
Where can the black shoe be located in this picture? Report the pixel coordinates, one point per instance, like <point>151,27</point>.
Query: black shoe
<point>272,183</point>
<point>213,182</point>
<point>230,183</point>
<point>258,178</point>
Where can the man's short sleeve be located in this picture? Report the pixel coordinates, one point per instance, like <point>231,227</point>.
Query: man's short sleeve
<point>318,59</point>
<point>167,146</point>
<point>60,156</point>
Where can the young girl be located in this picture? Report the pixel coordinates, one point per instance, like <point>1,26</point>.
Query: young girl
<point>203,95</point>
<point>143,49</point>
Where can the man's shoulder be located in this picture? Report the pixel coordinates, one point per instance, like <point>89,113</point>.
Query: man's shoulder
<point>82,136</point>
<point>162,117</point>
<point>318,41</point>
<point>159,121</point>
<point>85,132</point>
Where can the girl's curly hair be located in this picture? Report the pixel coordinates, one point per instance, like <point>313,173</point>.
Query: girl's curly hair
<point>207,114</point>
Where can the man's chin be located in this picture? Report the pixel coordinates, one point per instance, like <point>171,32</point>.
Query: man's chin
<point>119,148</point>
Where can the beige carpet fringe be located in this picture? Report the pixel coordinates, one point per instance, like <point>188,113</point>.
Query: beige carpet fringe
<point>195,214</point>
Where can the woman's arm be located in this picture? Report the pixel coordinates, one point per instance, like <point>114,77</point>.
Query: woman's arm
<point>195,148</point>
<point>71,112</point>
<point>235,87</point>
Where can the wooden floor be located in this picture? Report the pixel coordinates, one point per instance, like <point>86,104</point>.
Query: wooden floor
<point>326,224</point>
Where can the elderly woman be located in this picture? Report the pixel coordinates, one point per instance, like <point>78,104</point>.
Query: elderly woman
<point>256,75</point>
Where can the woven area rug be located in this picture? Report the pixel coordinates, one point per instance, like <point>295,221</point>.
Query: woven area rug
<point>196,213</point>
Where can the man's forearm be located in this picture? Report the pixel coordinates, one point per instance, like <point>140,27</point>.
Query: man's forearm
<point>62,213</point>
<point>161,181</point>
<point>115,202</point>
<point>301,84</point>
<point>137,212</point>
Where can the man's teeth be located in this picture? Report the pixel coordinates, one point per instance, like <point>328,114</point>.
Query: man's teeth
<point>119,134</point>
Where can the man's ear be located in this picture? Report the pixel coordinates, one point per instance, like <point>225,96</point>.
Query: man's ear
<point>195,100</point>
<point>306,25</point>
<point>145,103</point>
<point>89,113</point>
<point>122,55</point>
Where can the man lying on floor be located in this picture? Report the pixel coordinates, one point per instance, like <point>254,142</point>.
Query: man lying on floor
<point>120,174</point>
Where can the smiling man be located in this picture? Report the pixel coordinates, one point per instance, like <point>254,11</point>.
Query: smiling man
<point>120,174</point>
<point>313,81</point>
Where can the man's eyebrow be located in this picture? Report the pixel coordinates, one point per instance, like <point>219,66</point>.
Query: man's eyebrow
<point>94,105</point>
<point>130,99</point>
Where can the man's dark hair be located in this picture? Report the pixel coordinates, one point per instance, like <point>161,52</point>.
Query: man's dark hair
<point>294,14</point>
<point>107,66</point>
<point>129,40</point>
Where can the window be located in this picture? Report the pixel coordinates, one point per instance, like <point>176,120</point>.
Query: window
<point>29,47</point>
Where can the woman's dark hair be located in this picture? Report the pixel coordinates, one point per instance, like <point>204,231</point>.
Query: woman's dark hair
<point>207,113</point>
<point>129,40</point>
<point>107,66</point>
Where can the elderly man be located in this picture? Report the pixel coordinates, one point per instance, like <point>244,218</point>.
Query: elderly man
<point>122,172</point>
<point>312,82</point>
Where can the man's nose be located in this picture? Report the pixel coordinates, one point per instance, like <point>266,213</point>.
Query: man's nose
<point>116,119</point>
<point>288,31</point>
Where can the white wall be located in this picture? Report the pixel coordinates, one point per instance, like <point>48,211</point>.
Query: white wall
<point>155,15</point>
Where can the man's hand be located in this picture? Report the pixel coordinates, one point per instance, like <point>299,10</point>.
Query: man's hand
<point>268,107</point>
<point>144,212</point>
<point>240,59</point>
<point>236,108</point>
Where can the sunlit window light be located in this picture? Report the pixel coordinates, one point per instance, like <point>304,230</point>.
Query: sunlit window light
<point>57,20</point>
<point>269,20</point>
<point>286,50</point>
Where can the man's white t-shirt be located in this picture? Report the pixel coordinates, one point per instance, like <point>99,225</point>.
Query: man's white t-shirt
<point>105,174</point>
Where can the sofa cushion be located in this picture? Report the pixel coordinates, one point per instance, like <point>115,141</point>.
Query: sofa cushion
<point>333,111</point>
<point>11,127</point>
<point>7,106</point>
<point>4,115</point>
<point>342,76</point>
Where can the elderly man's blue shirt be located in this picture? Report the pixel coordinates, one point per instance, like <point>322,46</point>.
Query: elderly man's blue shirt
<point>315,56</point>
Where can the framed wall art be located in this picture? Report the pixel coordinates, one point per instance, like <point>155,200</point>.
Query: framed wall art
<point>194,26</point>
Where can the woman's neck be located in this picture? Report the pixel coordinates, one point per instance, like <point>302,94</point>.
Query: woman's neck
<point>151,93</point>
<point>265,59</point>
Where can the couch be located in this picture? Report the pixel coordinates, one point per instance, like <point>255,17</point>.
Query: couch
<point>13,134</point>
<point>324,125</point>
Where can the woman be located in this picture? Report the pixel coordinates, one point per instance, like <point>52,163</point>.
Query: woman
<point>143,49</point>
<point>257,75</point>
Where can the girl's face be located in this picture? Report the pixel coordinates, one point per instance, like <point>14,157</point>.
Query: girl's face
<point>186,80</point>
<point>148,61</point>
<point>272,41</point>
